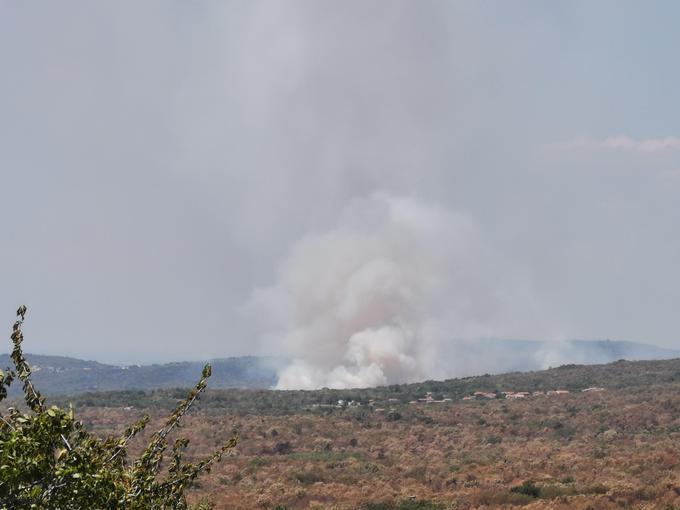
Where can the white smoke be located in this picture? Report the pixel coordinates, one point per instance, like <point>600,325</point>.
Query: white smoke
<point>378,299</point>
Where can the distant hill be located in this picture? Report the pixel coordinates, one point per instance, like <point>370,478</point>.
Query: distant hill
<point>63,375</point>
<point>56,375</point>
<point>499,356</point>
<point>656,376</point>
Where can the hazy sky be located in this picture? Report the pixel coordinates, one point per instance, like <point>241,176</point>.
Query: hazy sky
<point>160,160</point>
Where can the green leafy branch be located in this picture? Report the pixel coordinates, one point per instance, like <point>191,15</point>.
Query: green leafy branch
<point>49,460</point>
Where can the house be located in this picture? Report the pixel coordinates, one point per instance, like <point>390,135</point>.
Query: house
<point>429,399</point>
<point>516,394</point>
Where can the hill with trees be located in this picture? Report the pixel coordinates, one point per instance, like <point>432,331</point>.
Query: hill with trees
<point>64,375</point>
<point>619,375</point>
<point>614,447</point>
<point>60,375</point>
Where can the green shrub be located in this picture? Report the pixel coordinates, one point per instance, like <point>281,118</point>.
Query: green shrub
<point>48,460</point>
<point>528,488</point>
<point>595,489</point>
<point>308,477</point>
<point>556,491</point>
<point>495,499</point>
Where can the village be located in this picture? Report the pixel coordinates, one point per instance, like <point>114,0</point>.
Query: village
<point>380,406</point>
<point>508,395</point>
<point>511,395</point>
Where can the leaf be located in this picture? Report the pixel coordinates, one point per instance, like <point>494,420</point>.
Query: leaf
<point>46,455</point>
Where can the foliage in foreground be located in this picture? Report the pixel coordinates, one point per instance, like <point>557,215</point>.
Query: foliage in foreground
<point>49,461</point>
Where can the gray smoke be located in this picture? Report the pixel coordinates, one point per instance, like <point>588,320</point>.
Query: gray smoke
<point>376,299</point>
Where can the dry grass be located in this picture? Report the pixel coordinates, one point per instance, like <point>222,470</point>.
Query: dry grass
<point>614,449</point>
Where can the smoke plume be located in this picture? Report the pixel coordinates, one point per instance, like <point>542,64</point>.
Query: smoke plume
<point>376,300</point>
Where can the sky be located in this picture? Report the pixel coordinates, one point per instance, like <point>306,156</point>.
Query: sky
<point>177,176</point>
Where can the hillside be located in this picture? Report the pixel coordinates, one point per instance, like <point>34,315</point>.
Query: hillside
<point>619,375</point>
<point>63,375</point>
<point>610,449</point>
<point>496,356</point>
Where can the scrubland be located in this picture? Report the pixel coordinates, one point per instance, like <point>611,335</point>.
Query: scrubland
<point>619,448</point>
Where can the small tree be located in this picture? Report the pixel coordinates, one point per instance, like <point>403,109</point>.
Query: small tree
<point>49,461</point>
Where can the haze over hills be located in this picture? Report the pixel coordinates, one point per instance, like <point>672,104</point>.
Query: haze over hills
<point>497,356</point>
<point>64,375</point>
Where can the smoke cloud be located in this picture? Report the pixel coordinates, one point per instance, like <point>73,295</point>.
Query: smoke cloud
<point>161,157</point>
<point>376,299</point>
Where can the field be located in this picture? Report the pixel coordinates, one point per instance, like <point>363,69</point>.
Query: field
<point>617,448</point>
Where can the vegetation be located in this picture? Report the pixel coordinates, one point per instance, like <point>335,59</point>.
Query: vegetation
<point>48,459</point>
<point>614,449</point>
<point>60,375</point>
<point>613,376</point>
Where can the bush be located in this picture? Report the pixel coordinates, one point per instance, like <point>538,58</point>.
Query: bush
<point>308,477</point>
<point>394,415</point>
<point>528,488</point>
<point>283,448</point>
<point>48,460</point>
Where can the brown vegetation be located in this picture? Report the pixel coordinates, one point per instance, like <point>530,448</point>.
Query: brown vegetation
<point>598,450</point>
